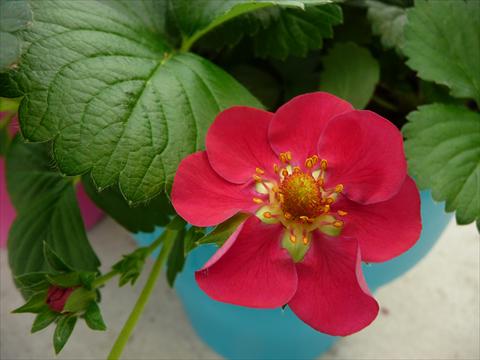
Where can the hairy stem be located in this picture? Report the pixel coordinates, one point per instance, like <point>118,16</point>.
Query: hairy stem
<point>168,238</point>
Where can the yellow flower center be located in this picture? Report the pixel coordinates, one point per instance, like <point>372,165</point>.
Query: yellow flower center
<point>299,200</point>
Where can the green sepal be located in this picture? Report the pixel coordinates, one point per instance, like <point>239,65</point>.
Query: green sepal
<point>63,331</point>
<point>87,278</point>
<point>53,259</point>
<point>64,280</point>
<point>35,304</point>
<point>93,317</point>
<point>176,259</point>
<point>191,237</point>
<point>223,231</point>
<point>79,300</point>
<point>297,249</point>
<point>44,319</point>
<point>34,281</point>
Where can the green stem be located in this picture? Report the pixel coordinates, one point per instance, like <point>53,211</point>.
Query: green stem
<point>169,237</point>
<point>101,280</point>
<point>385,103</point>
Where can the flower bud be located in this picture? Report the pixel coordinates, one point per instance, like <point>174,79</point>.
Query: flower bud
<point>57,297</point>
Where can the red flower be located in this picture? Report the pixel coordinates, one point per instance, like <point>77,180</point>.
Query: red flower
<point>57,297</point>
<point>329,188</point>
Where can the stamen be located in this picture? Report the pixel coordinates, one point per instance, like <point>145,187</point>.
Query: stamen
<point>311,161</point>
<point>305,239</point>
<point>338,223</point>
<point>257,178</point>
<point>329,201</point>
<point>293,239</point>
<point>275,168</point>
<point>257,200</point>
<point>287,215</point>
<point>267,215</point>
<point>342,213</point>
<point>286,157</point>
<point>323,164</point>
<point>297,170</point>
<point>285,173</point>
<point>259,171</point>
<point>339,188</point>
<point>326,208</point>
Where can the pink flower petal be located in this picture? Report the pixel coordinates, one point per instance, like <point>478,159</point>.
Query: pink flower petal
<point>237,144</point>
<point>251,269</point>
<point>332,296</point>
<point>364,153</point>
<point>202,197</point>
<point>385,229</point>
<point>297,125</point>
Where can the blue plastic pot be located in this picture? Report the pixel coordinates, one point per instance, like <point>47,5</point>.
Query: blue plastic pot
<point>243,333</point>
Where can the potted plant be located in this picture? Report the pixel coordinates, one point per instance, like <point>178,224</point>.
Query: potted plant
<point>259,139</point>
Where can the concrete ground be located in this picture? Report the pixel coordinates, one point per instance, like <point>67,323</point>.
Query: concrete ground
<point>432,312</point>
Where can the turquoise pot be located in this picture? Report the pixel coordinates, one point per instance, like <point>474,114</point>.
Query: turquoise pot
<point>243,333</point>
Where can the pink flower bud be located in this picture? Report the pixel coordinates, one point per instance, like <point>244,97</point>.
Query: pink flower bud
<point>57,297</point>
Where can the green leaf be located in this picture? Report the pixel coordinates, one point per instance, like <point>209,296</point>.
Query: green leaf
<point>14,16</point>
<point>63,331</point>
<point>79,300</point>
<point>142,217</point>
<point>223,231</point>
<point>47,211</point>
<point>443,152</point>
<point>196,18</point>
<point>388,22</point>
<point>93,317</point>
<point>131,266</point>
<point>351,73</point>
<point>35,304</point>
<point>44,319</point>
<point>442,42</point>
<point>296,32</point>
<point>176,258</point>
<point>115,97</point>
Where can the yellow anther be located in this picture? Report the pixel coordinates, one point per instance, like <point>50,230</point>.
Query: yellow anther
<point>275,168</point>
<point>323,164</point>
<point>326,208</point>
<point>339,188</point>
<point>338,223</point>
<point>257,178</point>
<point>297,170</point>
<point>259,171</point>
<point>305,240</point>
<point>285,157</point>
<point>311,161</point>
<point>329,201</point>
<point>293,239</point>
<point>257,200</point>
<point>285,173</point>
<point>287,215</point>
<point>342,213</point>
<point>320,181</point>
<point>267,215</point>
<point>306,219</point>
<point>280,197</point>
